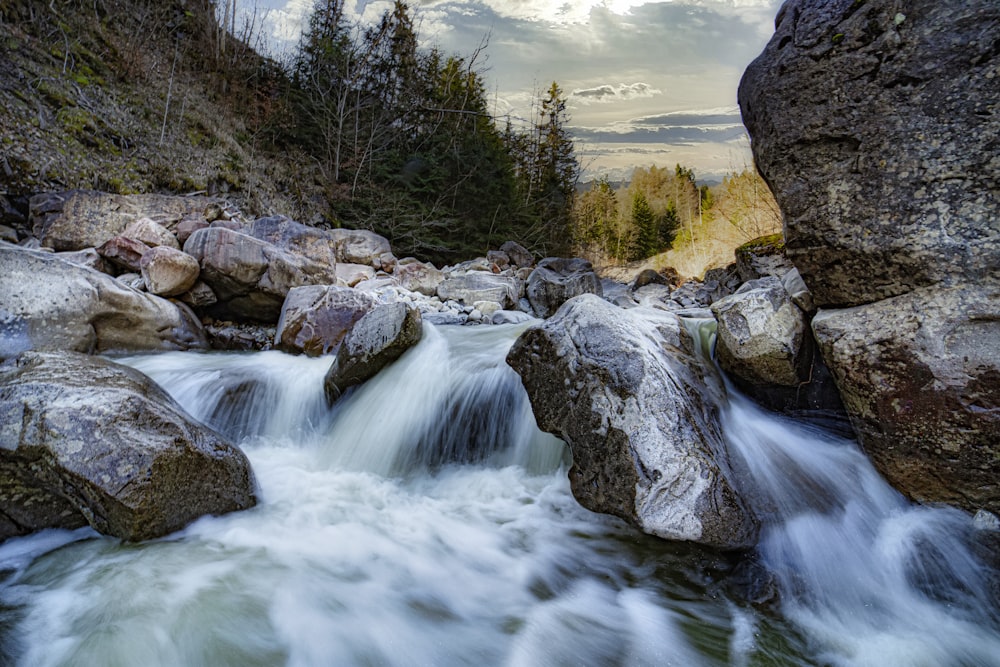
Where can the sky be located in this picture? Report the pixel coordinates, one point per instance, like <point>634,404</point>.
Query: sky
<point>646,82</point>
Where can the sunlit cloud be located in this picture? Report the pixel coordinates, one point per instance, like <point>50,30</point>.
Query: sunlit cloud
<point>608,93</point>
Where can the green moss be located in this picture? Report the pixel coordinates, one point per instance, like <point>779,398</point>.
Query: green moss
<point>764,245</point>
<point>838,38</point>
<point>75,120</point>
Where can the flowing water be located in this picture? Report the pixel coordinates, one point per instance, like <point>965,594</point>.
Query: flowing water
<point>425,520</point>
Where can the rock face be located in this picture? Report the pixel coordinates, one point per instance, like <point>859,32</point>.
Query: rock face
<point>377,340</point>
<point>762,335</point>
<point>920,377</point>
<point>359,246</point>
<point>624,391</point>
<point>316,318</point>
<point>251,277</point>
<point>86,441</point>
<point>875,125</point>
<point>556,280</point>
<point>47,304</point>
<point>81,219</point>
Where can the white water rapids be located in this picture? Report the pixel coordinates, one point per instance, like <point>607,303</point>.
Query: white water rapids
<point>426,521</point>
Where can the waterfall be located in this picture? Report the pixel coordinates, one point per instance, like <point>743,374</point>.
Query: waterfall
<point>424,519</point>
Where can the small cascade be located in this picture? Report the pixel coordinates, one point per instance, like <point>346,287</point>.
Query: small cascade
<point>872,578</point>
<point>450,400</point>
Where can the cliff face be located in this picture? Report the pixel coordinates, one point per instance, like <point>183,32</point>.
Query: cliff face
<point>142,97</point>
<point>876,123</point>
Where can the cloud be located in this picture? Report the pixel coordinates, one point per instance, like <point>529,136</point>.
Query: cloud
<point>608,93</point>
<point>681,127</point>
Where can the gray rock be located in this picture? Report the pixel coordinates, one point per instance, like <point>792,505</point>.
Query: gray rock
<point>920,378</point>
<point>151,234</point>
<point>251,277</point>
<point>240,336</point>
<point>475,286</point>
<point>316,318</point>
<point>80,219</point>
<point>418,276</point>
<point>8,234</point>
<point>359,246</point>
<point>762,257</point>
<point>133,280</point>
<point>625,391</point>
<point>556,280</point>
<point>199,296</point>
<point>90,258</point>
<point>762,335</point>
<point>79,309</point>
<point>352,274</point>
<point>797,290</point>
<point>875,125</point>
<point>316,244</point>
<point>86,441</point>
<point>375,341</point>
<point>167,271</point>
<point>517,254</point>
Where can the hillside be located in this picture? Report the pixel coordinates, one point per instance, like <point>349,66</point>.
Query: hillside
<point>142,97</point>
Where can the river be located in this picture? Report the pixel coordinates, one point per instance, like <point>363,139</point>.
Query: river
<point>425,520</point>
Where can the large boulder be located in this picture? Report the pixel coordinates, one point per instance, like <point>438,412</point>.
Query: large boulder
<point>467,288</point>
<point>556,280</point>
<point>47,304</point>
<point>625,391</point>
<point>293,236</point>
<point>87,441</point>
<point>762,335</point>
<point>80,219</point>
<point>875,125</point>
<point>375,341</point>
<point>251,277</point>
<point>316,318</point>
<point>920,377</point>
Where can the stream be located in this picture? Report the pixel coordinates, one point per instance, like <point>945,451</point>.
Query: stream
<point>425,520</point>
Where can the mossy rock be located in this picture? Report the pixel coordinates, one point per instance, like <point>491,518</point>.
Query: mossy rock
<point>771,244</point>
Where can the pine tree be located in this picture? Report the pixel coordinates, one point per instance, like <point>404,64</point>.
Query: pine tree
<point>555,172</point>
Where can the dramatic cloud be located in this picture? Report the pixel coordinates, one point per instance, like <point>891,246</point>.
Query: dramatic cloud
<point>608,93</point>
<point>677,55</point>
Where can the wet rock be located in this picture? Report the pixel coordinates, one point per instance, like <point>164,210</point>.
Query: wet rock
<point>199,296</point>
<point>239,336</point>
<point>920,378</point>
<point>316,318</point>
<point>374,342</point>
<point>86,441</point>
<point>762,335</point>
<point>625,391</point>
<point>556,280</point>
<point>79,309</point>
